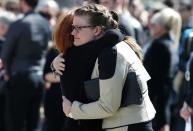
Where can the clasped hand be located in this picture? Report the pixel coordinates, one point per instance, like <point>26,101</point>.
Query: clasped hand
<point>58,64</point>
<point>186,111</point>
<point>66,104</point>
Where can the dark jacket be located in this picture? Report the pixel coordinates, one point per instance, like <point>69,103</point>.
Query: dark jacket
<point>158,62</point>
<point>185,47</point>
<point>2,41</point>
<point>54,115</point>
<point>26,43</point>
<point>189,82</point>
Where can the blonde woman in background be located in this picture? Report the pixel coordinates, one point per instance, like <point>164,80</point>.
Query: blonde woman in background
<point>161,60</point>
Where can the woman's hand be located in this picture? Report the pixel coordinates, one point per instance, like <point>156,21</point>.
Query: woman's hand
<point>58,64</point>
<point>1,64</point>
<point>166,127</point>
<point>185,111</point>
<point>66,105</point>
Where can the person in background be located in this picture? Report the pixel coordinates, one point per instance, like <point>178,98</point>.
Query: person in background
<point>187,109</point>
<point>6,18</point>
<point>161,60</point>
<point>52,100</point>
<point>136,9</point>
<point>127,23</point>
<point>13,7</point>
<point>49,10</point>
<point>185,9</point>
<point>23,58</point>
<point>54,116</point>
<point>101,51</point>
<point>153,7</point>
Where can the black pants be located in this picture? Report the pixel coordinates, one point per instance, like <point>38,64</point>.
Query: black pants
<point>23,101</point>
<point>54,115</point>
<point>144,126</point>
<point>3,89</point>
<point>2,112</point>
<point>82,125</point>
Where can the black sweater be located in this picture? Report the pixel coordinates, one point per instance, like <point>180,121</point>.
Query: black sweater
<point>157,62</point>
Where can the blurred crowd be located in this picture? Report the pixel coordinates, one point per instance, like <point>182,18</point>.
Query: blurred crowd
<point>153,25</point>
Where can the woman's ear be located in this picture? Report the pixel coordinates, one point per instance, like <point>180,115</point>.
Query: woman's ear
<point>97,30</point>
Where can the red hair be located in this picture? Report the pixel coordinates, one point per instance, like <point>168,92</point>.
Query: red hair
<point>62,37</point>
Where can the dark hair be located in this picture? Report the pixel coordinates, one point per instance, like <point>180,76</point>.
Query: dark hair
<point>46,15</point>
<point>96,1</point>
<point>99,16</point>
<point>169,3</point>
<point>32,3</point>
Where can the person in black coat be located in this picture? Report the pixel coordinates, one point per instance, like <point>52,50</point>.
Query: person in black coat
<point>187,108</point>
<point>52,100</point>
<point>6,18</point>
<point>54,116</point>
<point>160,61</point>
<point>23,56</point>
